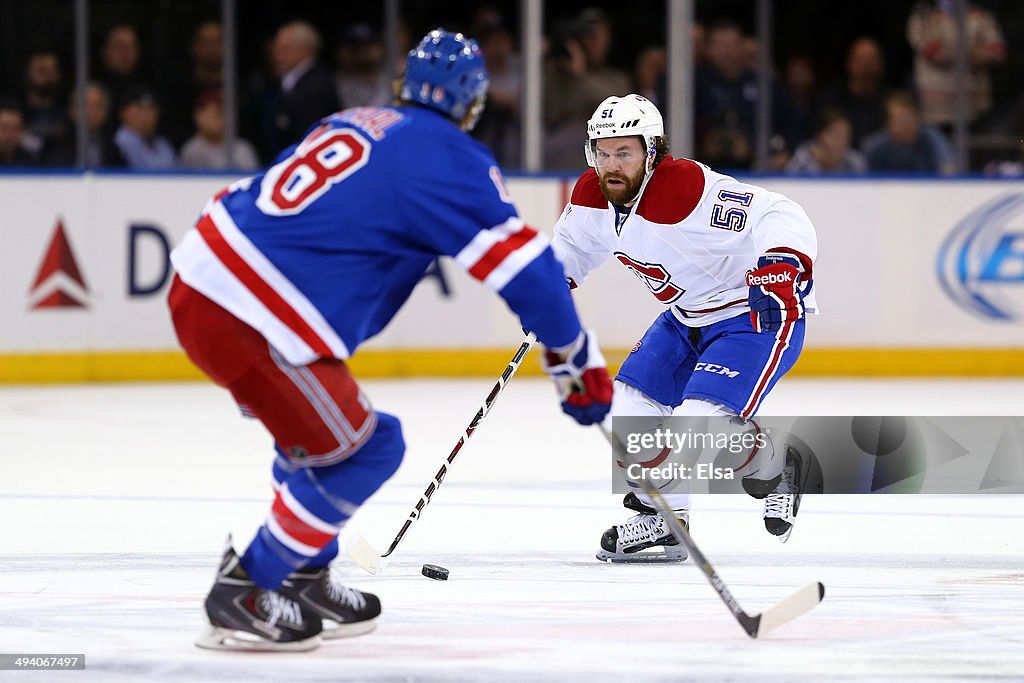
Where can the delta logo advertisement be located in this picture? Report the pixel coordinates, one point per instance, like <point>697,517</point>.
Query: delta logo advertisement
<point>58,282</point>
<point>981,262</point>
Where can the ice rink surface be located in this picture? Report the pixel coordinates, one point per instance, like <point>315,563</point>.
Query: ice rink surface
<point>115,501</point>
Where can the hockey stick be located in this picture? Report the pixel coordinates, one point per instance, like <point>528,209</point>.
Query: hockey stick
<point>359,549</point>
<point>755,625</point>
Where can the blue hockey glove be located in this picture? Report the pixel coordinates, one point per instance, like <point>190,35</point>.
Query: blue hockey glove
<point>579,373</point>
<point>775,295</point>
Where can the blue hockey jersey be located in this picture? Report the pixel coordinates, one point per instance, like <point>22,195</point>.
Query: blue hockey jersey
<point>320,251</point>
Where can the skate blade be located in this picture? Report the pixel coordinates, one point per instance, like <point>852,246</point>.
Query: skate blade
<point>785,536</point>
<point>217,638</point>
<point>336,631</point>
<point>669,556</point>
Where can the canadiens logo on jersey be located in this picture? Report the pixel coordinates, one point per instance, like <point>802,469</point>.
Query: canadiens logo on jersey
<point>654,275</point>
<point>58,282</point>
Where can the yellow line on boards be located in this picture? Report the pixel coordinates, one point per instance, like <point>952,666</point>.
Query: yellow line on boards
<point>144,366</point>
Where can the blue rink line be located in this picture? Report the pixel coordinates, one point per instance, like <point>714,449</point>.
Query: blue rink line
<point>488,504</point>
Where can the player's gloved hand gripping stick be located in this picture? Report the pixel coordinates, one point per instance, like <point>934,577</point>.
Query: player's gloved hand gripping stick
<point>579,372</point>
<point>359,549</point>
<point>755,625</point>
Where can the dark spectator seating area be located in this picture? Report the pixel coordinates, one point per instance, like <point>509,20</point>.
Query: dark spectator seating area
<point>857,88</point>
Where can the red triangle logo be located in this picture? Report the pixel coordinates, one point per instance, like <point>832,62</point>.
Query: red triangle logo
<point>58,275</point>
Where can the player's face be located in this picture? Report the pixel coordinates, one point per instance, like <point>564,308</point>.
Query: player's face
<point>620,167</point>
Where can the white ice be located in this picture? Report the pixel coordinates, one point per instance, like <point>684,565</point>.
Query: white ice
<point>115,501</point>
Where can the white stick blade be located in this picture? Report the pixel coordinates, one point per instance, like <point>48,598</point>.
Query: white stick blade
<point>804,600</point>
<point>363,554</point>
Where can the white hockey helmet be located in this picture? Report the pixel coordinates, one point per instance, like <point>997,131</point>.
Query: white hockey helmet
<point>625,116</point>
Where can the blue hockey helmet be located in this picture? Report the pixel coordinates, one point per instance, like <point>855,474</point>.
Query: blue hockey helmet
<point>446,72</point>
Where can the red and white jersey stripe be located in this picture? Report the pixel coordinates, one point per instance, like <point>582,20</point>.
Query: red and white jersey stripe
<point>297,528</point>
<point>218,260</point>
<point>495,256</point>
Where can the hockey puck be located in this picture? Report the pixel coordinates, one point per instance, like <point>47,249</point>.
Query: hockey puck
<point>433,571</point>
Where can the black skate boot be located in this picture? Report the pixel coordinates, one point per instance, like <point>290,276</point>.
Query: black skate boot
<point>782,504</point>
<point>346,612</point>
<point>244,616</point>
<point>644,537</point>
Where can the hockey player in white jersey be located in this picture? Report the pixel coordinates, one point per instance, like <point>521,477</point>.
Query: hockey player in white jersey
<point>733,265</point>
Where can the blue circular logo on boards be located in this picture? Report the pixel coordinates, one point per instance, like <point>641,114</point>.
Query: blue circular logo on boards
<point>981,262</point>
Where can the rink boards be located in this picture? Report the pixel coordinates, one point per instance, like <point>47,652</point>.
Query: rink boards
<point>914,277</point>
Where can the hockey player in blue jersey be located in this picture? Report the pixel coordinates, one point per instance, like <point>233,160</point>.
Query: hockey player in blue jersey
<point>286,273</point>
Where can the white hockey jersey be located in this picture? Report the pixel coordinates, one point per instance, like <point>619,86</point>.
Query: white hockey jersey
<point>691,237</point>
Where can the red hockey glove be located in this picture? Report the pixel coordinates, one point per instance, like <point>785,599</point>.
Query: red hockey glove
<point>775,295</point>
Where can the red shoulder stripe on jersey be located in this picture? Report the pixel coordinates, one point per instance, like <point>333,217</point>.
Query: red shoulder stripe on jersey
<point>587,191</point>
<point>673,192</point>
<point>259,287</point>
<point>493,257</point>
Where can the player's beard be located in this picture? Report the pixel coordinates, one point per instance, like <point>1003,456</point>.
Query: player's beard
<point>621,194</point>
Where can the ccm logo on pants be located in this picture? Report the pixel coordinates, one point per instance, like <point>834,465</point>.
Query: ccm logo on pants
<point>716,369</point>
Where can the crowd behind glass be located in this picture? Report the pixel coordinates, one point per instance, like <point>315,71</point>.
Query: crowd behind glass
<point>859,123</point>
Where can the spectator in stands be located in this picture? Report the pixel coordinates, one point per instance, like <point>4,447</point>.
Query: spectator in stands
<point>12,138</point>
<point>100,150</point>
<point>698,45</point>
<point>726,93</point>
<point>578,79</point>
<point>207,53</point>
<point>137,138</point>
<point>208,149</point>
<point>932,32</point>
<point>43,104</point>
<point>596,38</point>
<point>119,63</point>
<point>649,72</point>
<point>907,144</point>
<point>751,48</point>
<point>205,73</point>
<point>800,83</point>
<point>305,90</point>
<point>360,79</point>
<point>862,95</point>
<point>499,125</point>
<point>829,151</point>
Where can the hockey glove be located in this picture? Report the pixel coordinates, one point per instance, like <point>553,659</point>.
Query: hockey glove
<point>775,295</point>
<point>579,373</point>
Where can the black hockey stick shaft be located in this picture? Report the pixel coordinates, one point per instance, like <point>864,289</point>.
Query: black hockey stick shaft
<point>754,625</point>
<point>492,397</point>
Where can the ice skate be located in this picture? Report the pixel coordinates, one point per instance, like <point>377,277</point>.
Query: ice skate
<point>644,537</point>
<point>782,504</point>
<point>345,612</point>
<point>245,617</point>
